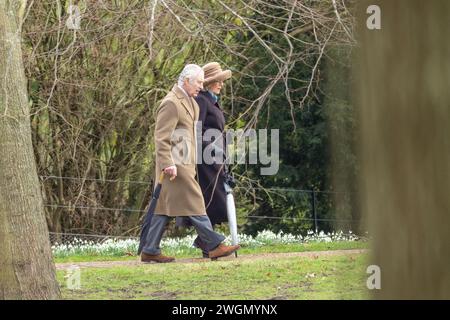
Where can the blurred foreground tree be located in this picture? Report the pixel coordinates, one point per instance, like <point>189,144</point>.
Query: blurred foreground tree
<point>403,106</point>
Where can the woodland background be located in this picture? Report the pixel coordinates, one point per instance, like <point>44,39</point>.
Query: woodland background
<point>93,92</point>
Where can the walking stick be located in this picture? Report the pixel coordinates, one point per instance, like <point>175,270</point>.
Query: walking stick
<point>150,212</point>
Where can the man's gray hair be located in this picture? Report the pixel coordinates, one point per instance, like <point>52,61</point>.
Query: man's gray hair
<point>190,71</point>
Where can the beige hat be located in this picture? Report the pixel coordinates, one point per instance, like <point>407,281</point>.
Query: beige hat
<point>213,72</point>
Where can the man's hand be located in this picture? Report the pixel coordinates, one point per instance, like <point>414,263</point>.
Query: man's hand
<point>171,171</point>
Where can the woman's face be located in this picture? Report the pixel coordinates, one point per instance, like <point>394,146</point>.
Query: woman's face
<point>215,87</point>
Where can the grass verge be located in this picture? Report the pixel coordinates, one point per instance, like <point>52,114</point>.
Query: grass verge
<point>326,277</point>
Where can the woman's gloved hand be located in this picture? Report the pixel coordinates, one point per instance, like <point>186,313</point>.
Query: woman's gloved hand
<point>229,179</point>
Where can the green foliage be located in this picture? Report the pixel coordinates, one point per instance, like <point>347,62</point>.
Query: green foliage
<point>304,153</point>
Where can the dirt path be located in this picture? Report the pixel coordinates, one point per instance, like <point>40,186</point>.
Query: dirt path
<point>311,254</point>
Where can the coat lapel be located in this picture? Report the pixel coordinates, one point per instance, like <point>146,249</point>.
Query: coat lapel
<point>184,101</point>
<point>196,108</point>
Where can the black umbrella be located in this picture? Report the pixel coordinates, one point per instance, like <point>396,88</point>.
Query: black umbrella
<point>151,210</point>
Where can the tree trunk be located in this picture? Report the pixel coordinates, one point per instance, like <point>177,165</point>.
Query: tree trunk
<point>26,267</point>
<point>404,98</point>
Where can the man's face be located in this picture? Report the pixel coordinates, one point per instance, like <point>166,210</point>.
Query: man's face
<point>193,87</point>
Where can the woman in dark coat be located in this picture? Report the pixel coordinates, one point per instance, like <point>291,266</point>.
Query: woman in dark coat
<point>212,176</point>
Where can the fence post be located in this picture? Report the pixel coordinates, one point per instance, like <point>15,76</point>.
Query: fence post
<point>313,202</point>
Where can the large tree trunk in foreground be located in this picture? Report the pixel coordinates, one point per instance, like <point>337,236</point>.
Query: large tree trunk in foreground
<point>26,267</point>
<point>404,99</point>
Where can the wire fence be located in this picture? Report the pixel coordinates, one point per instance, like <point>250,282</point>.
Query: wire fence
<point>42,177</point>
<point>309,202</point>
<point>62,238</point>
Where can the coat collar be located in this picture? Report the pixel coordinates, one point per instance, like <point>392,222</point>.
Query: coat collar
<point>185,100</point>
<point>206,94</point>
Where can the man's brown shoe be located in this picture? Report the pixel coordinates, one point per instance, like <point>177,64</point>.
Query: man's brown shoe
<point>223,251</point>
<point>155,258</point>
